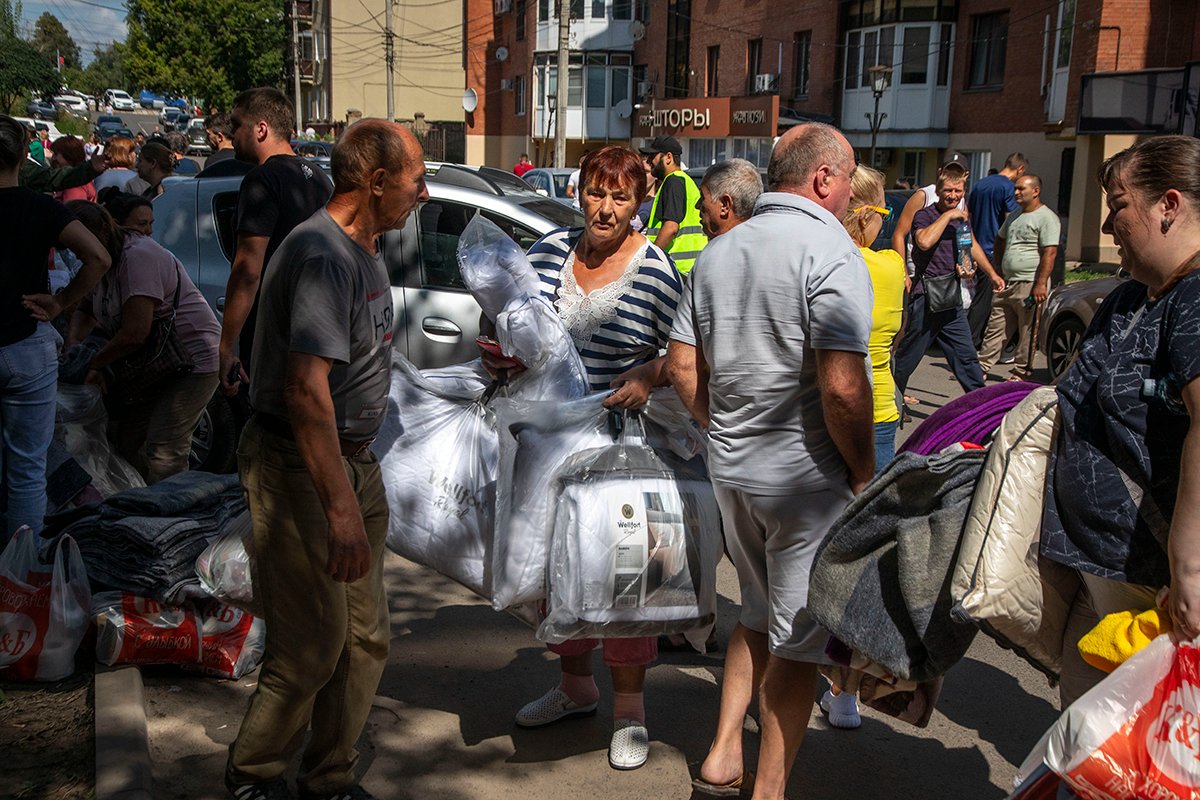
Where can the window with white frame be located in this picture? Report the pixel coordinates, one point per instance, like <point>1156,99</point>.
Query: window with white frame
<point>802,47</point>
<point>519,94</point>
<point>868,48</point>
<point>914,66</point>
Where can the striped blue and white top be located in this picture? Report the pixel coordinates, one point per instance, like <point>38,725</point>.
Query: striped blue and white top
<point>615,327</point>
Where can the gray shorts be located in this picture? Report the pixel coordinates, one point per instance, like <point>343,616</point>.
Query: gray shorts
<point>772,541</point>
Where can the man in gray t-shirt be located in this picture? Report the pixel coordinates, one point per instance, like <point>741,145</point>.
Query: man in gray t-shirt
<point>781,312</point>
<point>333,299</point>
<point>317,504</point>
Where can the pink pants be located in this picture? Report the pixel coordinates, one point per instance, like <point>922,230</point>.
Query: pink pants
<point>617,652</point>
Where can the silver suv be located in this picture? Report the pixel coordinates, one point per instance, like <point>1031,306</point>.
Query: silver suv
<point>437,320</point>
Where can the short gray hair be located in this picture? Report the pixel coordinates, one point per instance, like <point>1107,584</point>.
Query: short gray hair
<point>737,178</point>
<point>793,162</point>
<point>366,146</point>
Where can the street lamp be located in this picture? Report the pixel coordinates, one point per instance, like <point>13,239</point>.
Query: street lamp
<point>880,76</point>
<point>551,105</point>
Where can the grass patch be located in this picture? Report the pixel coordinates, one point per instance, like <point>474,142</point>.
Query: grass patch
<point>1077,275</point>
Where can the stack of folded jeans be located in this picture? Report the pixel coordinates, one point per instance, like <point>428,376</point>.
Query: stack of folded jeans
<point>146,540</point>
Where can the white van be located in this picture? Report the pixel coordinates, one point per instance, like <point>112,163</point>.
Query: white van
<point>119,100</point>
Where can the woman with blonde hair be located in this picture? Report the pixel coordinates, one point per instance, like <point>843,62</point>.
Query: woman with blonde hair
<point>863,221</point>
<point>122,158</point>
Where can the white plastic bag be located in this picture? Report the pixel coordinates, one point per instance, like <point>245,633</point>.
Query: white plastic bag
<point>45,609</point>
<point>225,567</point>
<point>82,424</point>
<point>634,547</point>
<point>1136,734</point>
<point>438,450</point>
<point>536,438</point>
<point>139,630</point>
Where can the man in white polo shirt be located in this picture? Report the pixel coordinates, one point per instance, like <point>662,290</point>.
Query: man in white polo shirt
<point>782,320</point>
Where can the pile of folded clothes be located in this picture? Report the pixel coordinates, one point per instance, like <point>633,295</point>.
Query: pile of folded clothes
<point>146,540</point>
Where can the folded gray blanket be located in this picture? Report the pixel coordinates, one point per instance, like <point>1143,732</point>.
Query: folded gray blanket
<point>881,579</point>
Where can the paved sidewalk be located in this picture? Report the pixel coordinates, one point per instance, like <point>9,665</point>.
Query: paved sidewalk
<point>458,671</point>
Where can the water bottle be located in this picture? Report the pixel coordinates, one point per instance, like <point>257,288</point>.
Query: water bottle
<point>966,264</point>
<point>1166,392</point>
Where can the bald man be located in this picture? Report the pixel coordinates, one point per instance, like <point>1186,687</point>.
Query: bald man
<point>781,315</point>
<point>316,496</point>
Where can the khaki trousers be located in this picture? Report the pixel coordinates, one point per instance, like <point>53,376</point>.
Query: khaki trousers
<point>1097,598</point>
<point>1009,315</point>
<point>155,436</point>
<point>327,642</point>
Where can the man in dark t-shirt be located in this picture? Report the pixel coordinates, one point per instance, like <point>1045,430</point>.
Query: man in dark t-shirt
<point>935,255</point>
<point>276,196</point>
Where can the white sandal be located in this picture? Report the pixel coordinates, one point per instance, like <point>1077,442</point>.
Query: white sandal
<point>550,708</point>
<point>630,745</point>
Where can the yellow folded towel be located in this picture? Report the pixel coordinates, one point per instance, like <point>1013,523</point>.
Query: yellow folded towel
<point>1118,636</point>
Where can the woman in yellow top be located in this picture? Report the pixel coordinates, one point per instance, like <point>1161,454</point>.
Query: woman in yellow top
<point>863,220</point>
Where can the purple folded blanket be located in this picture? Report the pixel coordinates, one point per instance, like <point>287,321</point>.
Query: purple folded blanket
<point>970,418</point>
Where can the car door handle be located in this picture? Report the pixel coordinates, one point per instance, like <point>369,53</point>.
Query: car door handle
<point>440,326</point>
<point>221,304</point>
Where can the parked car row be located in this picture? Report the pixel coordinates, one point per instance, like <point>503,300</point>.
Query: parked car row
<point>437,320</point>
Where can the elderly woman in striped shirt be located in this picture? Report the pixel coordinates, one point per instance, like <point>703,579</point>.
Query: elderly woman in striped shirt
<point>617,294</point>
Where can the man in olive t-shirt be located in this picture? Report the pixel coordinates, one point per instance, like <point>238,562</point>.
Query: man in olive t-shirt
<point>1026,246</point>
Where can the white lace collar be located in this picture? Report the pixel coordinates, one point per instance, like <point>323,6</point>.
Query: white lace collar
<point>583,314</point>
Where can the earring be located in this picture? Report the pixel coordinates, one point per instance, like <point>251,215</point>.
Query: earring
<point>1166,225</point>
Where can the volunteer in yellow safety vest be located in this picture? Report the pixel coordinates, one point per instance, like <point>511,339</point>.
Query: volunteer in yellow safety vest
<point>674,223</point>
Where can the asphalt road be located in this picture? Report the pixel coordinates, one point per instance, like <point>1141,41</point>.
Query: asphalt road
<point>142,120</point>
<point>442,726</point>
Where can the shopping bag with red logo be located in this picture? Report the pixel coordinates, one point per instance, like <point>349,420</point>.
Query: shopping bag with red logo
<point>1136,734</point>
<point>138,630</point>
<point>231,642</point>
<point>45,609</point>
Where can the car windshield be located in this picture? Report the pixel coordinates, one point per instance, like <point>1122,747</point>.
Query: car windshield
<point>507,182</point>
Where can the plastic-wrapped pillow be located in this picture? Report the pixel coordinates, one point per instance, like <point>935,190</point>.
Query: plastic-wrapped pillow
<point>634,546</point>
<point>494,267</point>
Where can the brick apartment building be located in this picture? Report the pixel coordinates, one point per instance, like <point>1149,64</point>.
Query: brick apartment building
<point>982,77</point>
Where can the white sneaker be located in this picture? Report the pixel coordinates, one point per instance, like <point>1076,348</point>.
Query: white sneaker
<point>630,745</point>
<point>551,707</point>
<point>842,710</point>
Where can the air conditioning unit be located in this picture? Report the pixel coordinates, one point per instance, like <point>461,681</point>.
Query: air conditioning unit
<point>644,88</point>
<point>765,83</point>
<point>502,6</point>
<point>506,84</point>
<point>883,158</point>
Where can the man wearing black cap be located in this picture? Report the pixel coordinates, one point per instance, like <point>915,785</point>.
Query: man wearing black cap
<point>674,223</point>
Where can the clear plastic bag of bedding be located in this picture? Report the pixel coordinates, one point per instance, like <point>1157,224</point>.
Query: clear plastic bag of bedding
<point>81,423</point>
<point>226,566</point>
<point>507,288</point>
<point>494,267</point>
<point>536,438</point>
<point>439,454</point>
<point>634,544</point>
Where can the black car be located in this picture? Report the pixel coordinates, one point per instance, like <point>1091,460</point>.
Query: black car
<point>312,149</point>
<point>41,109</point>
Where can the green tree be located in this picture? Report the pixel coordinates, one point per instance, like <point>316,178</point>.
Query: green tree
<point>205,48</point>
<point>23,70</point>
<point>10,15</point>
<point>107,71</point>
<point>52,40</point>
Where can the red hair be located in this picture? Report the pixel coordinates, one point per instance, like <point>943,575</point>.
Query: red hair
<point>69,149</point>
<point>614,167</point>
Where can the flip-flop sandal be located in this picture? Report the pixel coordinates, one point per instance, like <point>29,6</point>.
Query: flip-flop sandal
<point>744,783</point>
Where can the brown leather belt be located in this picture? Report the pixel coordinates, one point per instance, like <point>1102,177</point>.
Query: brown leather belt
<point>282,427</point>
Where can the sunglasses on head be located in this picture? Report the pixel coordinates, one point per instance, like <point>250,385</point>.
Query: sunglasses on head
<point>883,212</point>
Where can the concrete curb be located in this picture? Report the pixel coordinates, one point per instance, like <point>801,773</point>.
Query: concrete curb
<point>123,770</point>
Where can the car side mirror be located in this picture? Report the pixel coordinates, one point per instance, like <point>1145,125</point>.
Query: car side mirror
<point>542,192</point>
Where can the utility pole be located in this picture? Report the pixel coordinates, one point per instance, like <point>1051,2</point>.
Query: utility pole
<point>296,65</point>
<point>389,44</point>
<point>560,121</point>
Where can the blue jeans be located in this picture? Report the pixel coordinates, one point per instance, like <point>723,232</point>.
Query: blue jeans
<point>885,444</point>
<point>951,331</point>
<point>28,388</point>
